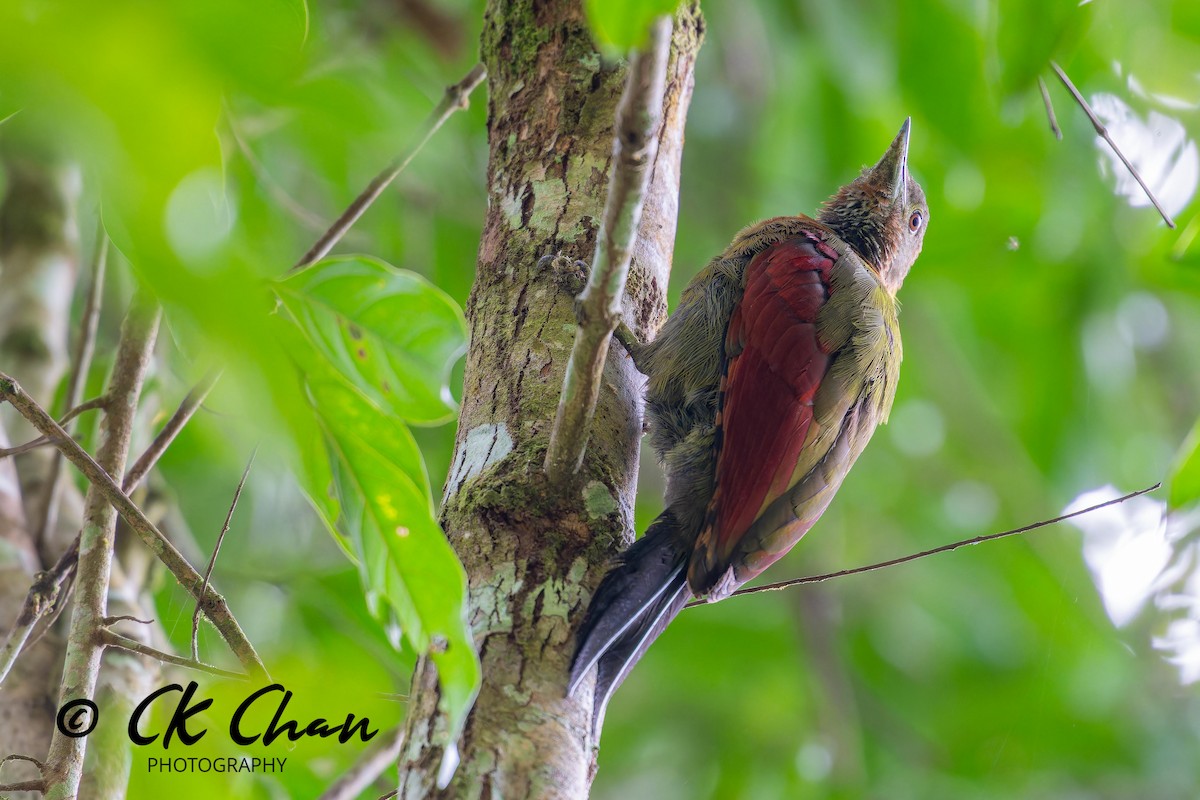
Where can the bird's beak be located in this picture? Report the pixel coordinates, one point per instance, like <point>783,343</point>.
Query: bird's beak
<point>891,172</point>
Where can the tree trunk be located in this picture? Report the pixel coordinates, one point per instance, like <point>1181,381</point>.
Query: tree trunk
<point>534,552</point>
<point>38,267</point>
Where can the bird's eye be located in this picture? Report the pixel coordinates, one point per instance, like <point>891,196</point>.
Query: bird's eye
<point>914,222</point>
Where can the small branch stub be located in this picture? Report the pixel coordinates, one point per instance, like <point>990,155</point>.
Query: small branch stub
<point>1102,132</point>
<point>455,99</point>
<point>635,146</point>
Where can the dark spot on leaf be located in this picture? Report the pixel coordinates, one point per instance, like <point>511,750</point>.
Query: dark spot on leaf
<point>355,331</point>
<point>387,387</point>
<point>362,353</point>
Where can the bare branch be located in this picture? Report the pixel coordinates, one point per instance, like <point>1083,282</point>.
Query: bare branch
<point>16,450</point>
<point>111,638</point>
<point>81,668</point>
<point>43,600</point>
<point>19,757</point>
<point>278,193</point>
<point>1057,131</point>
<point>46,504</point>
<point>212,562</point>
<point>1103,133</point>
<point>946,548</point>
<point>113,620</point>
<point>175,424</point>
<point>634,148</point>
<point>42,441</point>
<point>86,405</point>
<point>26,786</point>
<point>456,98</point>
<point>381,755</point>
<point>214,604</point>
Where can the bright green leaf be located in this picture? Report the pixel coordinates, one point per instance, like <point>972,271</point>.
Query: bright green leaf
<point>389,515</point>
<point>620,25</point>
<point>1185,475</point>
<point>389,332</point>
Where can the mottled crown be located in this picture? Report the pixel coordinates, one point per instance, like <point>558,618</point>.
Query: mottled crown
<point>882,214</point>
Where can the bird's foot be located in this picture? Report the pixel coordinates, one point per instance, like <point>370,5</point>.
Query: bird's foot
<point>569,273</point>
<point>572,275</point>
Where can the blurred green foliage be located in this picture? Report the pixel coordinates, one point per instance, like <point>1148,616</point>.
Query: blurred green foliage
<point>1052,333</point>
<point>619,25</point>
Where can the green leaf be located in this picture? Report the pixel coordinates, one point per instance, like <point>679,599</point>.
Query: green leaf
<point>621,25</point>
<point>389,332</point>
<point>389,517</point>
<point>1185,474</point>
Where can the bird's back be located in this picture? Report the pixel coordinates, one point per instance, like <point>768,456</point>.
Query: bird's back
<point>686,362</point>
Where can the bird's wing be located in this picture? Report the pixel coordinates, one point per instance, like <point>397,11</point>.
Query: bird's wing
<point>775,361</point>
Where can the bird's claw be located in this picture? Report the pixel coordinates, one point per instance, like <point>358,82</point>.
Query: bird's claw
<point>571,274</point>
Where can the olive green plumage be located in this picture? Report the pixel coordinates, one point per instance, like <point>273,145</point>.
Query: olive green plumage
<point>763,387</point>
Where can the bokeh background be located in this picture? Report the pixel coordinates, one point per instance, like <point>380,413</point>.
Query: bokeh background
<point>1052,349</point>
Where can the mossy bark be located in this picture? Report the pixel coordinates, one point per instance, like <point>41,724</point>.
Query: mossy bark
<point>534,552</point>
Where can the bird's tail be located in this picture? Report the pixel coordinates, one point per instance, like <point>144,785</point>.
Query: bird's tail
<point>635,602</point>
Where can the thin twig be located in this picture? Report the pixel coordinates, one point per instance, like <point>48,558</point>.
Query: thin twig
<point>381,755</point>
<point>175,424</point>
<point>42,441</point>
<point>212,562</point>
<point>634,148</point>
<point>214,605</point>
<point>46,504</point>
<point>44,599</point>
<point>113,639</point>
<point>278,193</point>
<point>1057,131</point>
<point>456,98</point>
<point>18,757</point>
<point>946,548</point>
<point>113,620</point>
<point>1103,132</point>
<point>27,786</point>
<point>16,450</point>
<point>86,405</point>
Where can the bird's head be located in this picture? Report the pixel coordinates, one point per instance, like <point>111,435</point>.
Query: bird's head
<point>882,214</point>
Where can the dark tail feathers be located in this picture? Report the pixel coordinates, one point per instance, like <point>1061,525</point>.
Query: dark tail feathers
<point>636,601</point>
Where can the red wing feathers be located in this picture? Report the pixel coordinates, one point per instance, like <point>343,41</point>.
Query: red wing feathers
<point>775,367</point>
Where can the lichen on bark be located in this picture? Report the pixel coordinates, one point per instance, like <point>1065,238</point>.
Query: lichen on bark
<point>534,552</point>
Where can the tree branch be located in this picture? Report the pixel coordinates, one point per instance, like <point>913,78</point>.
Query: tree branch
<point>456,98</point>
<point>214,604</point>
<point>81,671</point>
<point>111,638</point>
<point>42,441</point>
<point>46,503</point>
<point>24,786</point>
<point>375,759</point>
<point>1057,131</point>
<point>280,195</point>
<point>44,597</point>
<point>634,148</point>
<point>212,562</point>
<point>46,592</point>
<point>175,424</point>
<point>1103,132</point>
<point>946,548</point>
